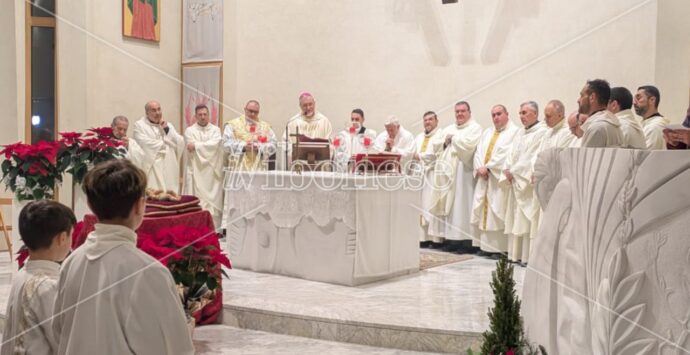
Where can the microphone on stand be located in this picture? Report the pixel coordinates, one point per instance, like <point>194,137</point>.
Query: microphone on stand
<point>287,138</point>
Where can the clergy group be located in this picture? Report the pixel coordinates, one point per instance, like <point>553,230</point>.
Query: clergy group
<point>478,194</point>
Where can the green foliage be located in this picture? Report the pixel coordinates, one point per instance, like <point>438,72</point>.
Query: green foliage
<point>505,332</point>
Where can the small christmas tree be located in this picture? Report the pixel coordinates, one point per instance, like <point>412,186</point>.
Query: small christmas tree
<point>505,334</point>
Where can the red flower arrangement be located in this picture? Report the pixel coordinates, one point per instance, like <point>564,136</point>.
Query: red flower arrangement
<point>80,152</point>
<point>30,170</point>
<point>192,255</point>
<point>194,258</point>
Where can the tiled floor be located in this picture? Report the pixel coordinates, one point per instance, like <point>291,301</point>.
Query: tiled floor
<point>222,339</point>
<point>452,297</point>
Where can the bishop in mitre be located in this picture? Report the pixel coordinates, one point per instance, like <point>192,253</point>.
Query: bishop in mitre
<point>518,171</point>
<point>490,197</point>
<point>204,164</point>
<point>160,149</point>
<point>557,136</point>
<point>249,140</point>
<point>425,160</point>
<point>453,177</point>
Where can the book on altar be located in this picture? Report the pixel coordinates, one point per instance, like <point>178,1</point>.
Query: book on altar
<point>306,139</point>
<point>380,162</point>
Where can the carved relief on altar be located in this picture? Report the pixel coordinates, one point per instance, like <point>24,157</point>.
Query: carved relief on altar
<point>611,262</point>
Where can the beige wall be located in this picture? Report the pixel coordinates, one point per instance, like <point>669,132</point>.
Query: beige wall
<point>100,73</point>
<point>672,53</point>
<point>388,57</point>
<point>8,76</point>
<point>405,57</point>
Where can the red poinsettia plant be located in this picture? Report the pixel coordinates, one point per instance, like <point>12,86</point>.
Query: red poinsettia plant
<point>194,258</point>
<point>30,170</point>
<point>80,152</point>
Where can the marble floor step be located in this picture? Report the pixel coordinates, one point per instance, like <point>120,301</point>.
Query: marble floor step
<point>441,309</point>
<point>223,339</point>
<point>344,331</point>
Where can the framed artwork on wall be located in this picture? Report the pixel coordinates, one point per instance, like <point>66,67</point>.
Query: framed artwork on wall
<point>202,85</point>
<point>202,30</point>
<point>141,19</point>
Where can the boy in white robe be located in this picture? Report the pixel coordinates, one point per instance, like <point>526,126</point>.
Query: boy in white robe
<point>112,297</point>
<point>45,227</point>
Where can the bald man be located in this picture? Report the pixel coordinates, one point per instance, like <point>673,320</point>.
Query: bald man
<point>160,149</point>
<point>310,122</point>
<point>575,121</point>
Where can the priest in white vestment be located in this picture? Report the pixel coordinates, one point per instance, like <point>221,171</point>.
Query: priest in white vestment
<point>310,122</point>
<point>248,140</point>
<point>120,126</point>
<point>602,128</point>
<point>647,101</point>
<point>204,164</point>
<point>425,158</point>
<point>396,139</point>
<point>160,149</point>
<point>490,197</point>
<point>575,121</point>
<point>620,104</point>
<point>517,174</point>
<point>557,136</point>
<point>353,137</point>
<point>454,178</point>
<point>113,298</point>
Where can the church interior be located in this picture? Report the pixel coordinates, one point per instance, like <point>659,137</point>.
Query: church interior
<point>345,176</point>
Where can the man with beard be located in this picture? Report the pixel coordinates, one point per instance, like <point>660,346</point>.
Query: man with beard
<point>647,100</point>
<point>602,129</point>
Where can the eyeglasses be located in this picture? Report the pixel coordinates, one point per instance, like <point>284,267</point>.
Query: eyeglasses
<point>253,112</point>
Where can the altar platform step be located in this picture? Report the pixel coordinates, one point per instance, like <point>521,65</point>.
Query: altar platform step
<point>442,309</point>
<point>226,340</point>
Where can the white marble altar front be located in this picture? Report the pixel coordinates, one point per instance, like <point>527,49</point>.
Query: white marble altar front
<point>330,227</point>
<point>610,268</point>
